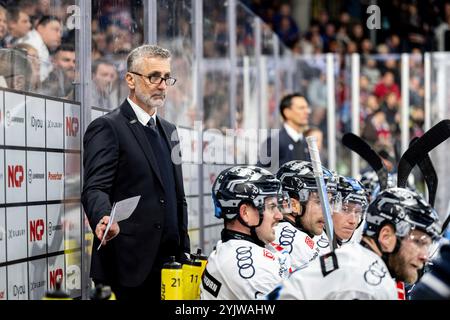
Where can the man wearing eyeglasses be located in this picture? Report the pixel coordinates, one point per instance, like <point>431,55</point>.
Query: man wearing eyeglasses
<point>128,153</point>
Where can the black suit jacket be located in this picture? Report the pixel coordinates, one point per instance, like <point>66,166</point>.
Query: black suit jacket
<point>285,150</point>
<point>119,163</point>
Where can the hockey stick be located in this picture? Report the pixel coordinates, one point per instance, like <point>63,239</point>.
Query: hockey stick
<point>322,190</point>
<point>447,220</point>
<point>358,145</point>
<point>429,174</point>
<point>430,140</point>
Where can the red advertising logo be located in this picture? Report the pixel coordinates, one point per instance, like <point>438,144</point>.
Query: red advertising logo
<point>268,254</point>
<point>56,276</point>
<point>309,242</point>
<point>36,230</point>
<point>15,176</point>
<point>72,126</point>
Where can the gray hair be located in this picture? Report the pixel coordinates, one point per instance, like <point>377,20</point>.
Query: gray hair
<point>146,51</point>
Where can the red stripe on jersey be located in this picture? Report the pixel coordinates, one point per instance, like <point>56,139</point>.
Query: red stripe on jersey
<point>309,242</point>
<point>401,290</point>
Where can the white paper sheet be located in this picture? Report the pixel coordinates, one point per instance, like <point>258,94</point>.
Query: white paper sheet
<point>121,210</point>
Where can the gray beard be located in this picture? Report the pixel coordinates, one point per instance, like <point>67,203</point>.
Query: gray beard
<point>148,101</point>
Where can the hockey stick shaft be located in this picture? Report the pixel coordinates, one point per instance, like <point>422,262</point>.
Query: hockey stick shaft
<point>321,188</point>
<point>362,148</point>
<point>430,140</point>
<point>429,173</point>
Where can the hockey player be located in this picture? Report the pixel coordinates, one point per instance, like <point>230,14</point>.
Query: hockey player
<point>349,207</point>
<point>399,232</point>
<point>243,266</point>
<point>306,221</point>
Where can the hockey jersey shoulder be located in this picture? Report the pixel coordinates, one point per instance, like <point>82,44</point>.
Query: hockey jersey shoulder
<point>358,274</point>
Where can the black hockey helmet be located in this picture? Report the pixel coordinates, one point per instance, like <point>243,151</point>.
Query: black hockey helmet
<point>405,210</point>
<point>297,178</point>
<point>242,183</point>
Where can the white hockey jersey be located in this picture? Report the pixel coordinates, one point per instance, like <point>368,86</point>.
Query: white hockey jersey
<point>243,270</point>
<point>353,273</point>
<point>302,248</point>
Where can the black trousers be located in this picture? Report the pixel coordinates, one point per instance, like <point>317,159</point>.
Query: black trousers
<point>150,289</point>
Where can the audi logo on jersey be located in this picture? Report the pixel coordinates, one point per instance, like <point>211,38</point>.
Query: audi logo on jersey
<point>287,237</point>
<point>375,274</point>
<point>245,262</point>
<point>323,242</point>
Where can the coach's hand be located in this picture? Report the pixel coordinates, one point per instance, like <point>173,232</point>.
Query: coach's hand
<point>101,227</point>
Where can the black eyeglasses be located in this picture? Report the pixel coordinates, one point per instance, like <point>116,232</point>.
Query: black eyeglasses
<point>157,79</point>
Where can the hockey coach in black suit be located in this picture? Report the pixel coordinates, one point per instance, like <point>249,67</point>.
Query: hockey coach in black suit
<point>127,153</point>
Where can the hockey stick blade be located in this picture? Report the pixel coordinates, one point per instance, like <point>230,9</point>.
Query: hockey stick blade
<point>358,145</point>
<point>430,140</point>
<point>429,174</point>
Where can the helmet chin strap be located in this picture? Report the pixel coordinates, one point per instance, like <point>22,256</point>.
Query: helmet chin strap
<point>298,222</point>
<point>253,234</point>
<point>385,255</point>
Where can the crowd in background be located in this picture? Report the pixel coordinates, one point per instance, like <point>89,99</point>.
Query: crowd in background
<point>340,27</point>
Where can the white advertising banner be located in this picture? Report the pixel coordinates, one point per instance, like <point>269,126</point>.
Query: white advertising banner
<point>14,119</point>
<point>55,125</point>
<point>18,281</point>
<point>16,176</point>
<point>16,229</point>
<point>35,122</point>
<point>72,169</point>
<point>36,177</point>
<point>40,179</point>
<point>2,235</point>
<point>55,231</point>
<point>37,233</point>
<point>3,284</point>
<point>55,176</point>
<point>72,230</point>
<point>37,270</point>
<point>72,126</point>
<point>2,176</point>
<point>56,272</point>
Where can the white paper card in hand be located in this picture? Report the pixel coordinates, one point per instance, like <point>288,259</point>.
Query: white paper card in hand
<point>120,211</point>
<point>125,208</point>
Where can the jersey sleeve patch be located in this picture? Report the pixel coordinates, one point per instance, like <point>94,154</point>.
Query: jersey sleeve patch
<point>328,263</point>
<point>211,284</point>
<point>309,242</point>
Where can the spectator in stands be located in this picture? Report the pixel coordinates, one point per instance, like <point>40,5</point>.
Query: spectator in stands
<point>59,82</point>
<point>317,97</point>
<point>18,25</point>
<point>45,38</point>
<point>14,70</point>
<point>386,86</point>
<point>30,8</point>
<point>391,107</point>
<point>285,25</point>
<point>372,73</point>
<point>376,130</point>
<point>104,75</point>
<point>393,43</point>
<point>3,26</point>
<point>33,58</point>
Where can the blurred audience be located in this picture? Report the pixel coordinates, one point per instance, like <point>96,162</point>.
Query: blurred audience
<point>60,82</point>
<point>45,38</point>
